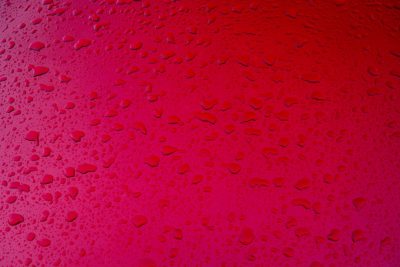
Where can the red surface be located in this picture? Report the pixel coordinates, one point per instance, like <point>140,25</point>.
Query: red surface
<point>199,133</point>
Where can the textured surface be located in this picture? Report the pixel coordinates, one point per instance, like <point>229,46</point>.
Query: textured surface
<point>199,133</point>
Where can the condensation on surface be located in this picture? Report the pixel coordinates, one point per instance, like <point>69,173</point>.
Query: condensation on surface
<point>199,133</point>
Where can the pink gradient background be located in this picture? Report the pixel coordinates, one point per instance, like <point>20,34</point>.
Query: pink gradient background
<point>218,133</point>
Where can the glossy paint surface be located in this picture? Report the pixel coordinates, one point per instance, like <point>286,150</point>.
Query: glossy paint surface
<point>199,133</point>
